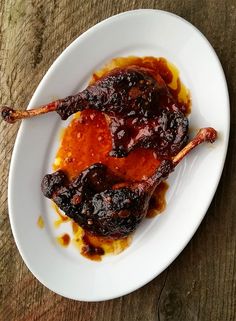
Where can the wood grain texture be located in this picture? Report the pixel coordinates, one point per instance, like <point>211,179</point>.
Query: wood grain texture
<point>201,284</point>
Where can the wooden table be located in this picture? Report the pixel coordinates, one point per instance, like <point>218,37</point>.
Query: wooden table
<point>200,285</point>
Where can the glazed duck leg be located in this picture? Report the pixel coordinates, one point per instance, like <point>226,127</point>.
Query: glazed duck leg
<point>141,110</point>
<point>105,205</point>
<point>131,91</point>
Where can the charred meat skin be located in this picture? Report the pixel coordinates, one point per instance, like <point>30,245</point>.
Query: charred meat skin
<point>165,133</point>
<point>100,203</point>
<point>128,92</point>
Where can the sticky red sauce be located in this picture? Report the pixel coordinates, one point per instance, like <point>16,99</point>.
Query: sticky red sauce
<point>87,141</point>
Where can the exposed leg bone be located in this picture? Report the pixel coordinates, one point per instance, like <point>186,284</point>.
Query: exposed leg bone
<point>207,134</point>
<point>11,115</point>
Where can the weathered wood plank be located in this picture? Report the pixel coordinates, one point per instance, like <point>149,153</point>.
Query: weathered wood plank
<point>200,284</point>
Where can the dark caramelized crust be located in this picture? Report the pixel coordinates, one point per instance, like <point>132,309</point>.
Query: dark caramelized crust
<point>126,92</point>
<point>51,183</point>
<point>166,133</point>
<point>101,203</point>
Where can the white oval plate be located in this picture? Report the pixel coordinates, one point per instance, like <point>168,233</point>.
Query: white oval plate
<point>157,242</point>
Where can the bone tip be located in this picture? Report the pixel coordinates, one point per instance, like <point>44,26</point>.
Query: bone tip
<point>8,114</point>
<point>208,134</point>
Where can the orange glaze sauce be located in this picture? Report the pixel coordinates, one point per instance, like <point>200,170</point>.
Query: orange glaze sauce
<point>94,247</point>
<point>61,217</point>
<point>64,240</point>
<point>87,141</point>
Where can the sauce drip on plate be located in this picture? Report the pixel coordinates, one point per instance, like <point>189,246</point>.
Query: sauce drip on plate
<point>64,239</point>
<point>40,222</point>
<point>94,247</point>
<point>61,217</point>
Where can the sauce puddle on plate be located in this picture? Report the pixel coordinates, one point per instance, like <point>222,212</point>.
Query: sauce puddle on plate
<point>87,140</point>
